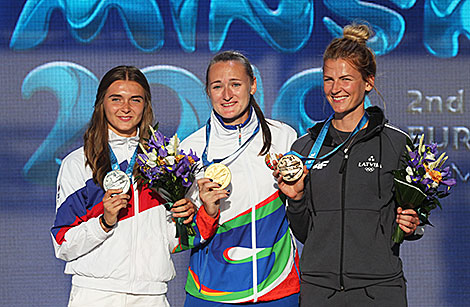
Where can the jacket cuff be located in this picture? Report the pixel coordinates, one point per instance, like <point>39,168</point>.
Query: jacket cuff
<point>98,231</point>
<point>295,205</point>
<point>207,225</point>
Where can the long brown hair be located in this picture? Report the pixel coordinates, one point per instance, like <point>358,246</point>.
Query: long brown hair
<point>231,55</point>
<point>96,136</point>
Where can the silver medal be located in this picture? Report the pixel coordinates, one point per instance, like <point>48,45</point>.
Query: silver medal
<point>117,179</point>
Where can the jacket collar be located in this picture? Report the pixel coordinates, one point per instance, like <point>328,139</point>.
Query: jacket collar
<point>220,129</point>
<point>376,123</point>
<point>116,140</point>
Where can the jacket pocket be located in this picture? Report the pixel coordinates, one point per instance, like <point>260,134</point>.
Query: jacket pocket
<point>321,251</point>
<point>367,249</point>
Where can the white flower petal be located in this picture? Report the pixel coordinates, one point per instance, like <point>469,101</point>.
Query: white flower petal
<point>152,164</point>
<point>170,160</point>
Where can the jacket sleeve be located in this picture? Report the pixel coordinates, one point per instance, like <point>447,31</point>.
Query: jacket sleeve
<point>299,212</point>
<point>299,217</point>
<point>204,227</point>
<point>76,230</point>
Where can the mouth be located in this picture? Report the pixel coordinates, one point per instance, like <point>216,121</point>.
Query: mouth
<point>338,99</point>
<point>228,104</point>
<point>125,118</point>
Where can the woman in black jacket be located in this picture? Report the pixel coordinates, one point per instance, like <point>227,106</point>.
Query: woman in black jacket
<point>343,207</point>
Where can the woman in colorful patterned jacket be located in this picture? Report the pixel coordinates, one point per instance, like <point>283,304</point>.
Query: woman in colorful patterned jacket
<point>252,256</point>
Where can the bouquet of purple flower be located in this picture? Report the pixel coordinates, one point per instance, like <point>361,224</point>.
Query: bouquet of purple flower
<point>169,171</point>
<point>422,182</point>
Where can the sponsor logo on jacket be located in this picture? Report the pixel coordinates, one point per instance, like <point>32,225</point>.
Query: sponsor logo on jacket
<point>320,165</point>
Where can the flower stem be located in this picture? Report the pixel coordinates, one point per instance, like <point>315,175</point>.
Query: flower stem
<point>399,235</point>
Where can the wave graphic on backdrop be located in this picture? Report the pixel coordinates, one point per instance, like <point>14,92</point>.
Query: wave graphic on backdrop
<point>286,29</point>
<point>388,25</point>
<point>444,22</point>
<point>141,18</point>
<point>74,87</point>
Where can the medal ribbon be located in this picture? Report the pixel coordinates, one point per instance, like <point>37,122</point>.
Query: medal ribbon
<point>321,138</point>
<point>205,161</point>
<point>115,164</point>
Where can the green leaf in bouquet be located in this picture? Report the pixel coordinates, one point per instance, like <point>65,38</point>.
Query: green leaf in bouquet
<point>408,196</point>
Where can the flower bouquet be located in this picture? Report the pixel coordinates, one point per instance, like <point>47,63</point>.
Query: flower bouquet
<point>422,182</point>
<point>169,171</point>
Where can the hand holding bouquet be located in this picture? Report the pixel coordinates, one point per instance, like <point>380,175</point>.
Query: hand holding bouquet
<point>169,171</point>
<point>422,182</point>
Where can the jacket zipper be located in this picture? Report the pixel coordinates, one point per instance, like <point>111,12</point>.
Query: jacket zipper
<point>342,171</point>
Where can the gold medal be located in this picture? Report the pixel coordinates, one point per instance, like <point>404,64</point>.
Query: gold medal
<point>220,174</point>
<point>290,167</point>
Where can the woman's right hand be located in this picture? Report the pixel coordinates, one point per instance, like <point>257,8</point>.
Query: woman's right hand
<point>293,190</point>
<point>209,196</point>
<point>113,202</point>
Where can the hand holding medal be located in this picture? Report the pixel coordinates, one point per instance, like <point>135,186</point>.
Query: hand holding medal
<point>116,183</point>
<point>290,172</point>
<point>290,166</point>
<point>212,188</point>
<point>219,173</point>
<point>113,201</point>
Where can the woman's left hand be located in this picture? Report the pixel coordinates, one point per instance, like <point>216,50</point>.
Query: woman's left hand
<point>407,220</point>
<point>184,208</point>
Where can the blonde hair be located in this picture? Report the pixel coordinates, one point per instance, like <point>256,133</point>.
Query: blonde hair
<point>352,47</point>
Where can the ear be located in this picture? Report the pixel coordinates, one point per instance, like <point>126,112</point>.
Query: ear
<point>370,83</point>
<point>253,86</point>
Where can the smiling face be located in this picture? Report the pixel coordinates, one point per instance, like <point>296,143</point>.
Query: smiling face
<point>123,106</point>
<point>344,88</point>
<point>229,89</point>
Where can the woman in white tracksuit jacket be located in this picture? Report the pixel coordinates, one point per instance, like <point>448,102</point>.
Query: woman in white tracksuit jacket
<point>117,246</point>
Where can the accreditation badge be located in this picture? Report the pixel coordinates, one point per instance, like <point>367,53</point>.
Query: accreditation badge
<point>219,173</point>
<point>117,179</point>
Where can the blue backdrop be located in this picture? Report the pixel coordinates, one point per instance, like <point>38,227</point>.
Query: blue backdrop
<point>54,52</point>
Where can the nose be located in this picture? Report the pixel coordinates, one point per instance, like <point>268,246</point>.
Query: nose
<point>227,94</point>
<point>126,106</point>
<point>335,87</point>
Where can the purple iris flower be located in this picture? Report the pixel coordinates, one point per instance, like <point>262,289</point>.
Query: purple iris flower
<point>450,182</point>
<point>193,155</point>
<point>158,142</point>
<point>182,169</point>
<point>186,183</point>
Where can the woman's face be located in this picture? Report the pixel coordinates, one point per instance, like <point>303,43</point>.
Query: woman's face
<point>124,106</point>
<point>344,87</point>
<point>229,89</point>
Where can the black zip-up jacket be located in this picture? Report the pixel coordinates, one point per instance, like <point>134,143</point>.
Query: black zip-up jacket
<point>347,215</point>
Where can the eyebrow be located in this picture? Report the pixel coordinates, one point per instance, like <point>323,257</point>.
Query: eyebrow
<point>120,96</point>
<point>342,76</point>
<point>218,81</point>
